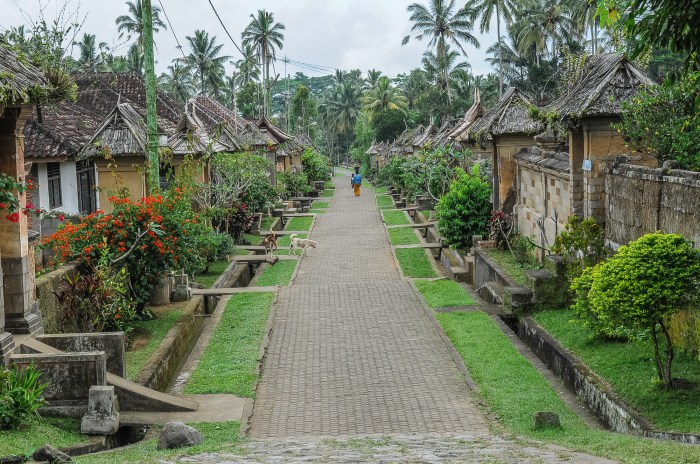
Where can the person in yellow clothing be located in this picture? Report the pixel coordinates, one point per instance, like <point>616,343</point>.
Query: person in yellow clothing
<point>356,182</point>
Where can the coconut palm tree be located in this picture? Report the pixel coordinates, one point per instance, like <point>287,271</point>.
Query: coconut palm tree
<point>88,52</point>
<point>177,82</point>
<point>486,9</point>
<point>247,67</point>
<point>441,26</point>
<point>134,59</point>
<point>132,23</point>
<point>443,69</point>
<point>372,78</point>
<point>383,97</point>
<point>204,61</point>
<point>541,21</point>
<point>265,35</point>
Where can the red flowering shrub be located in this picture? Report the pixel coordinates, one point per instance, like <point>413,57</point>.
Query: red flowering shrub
<point>147,237</point>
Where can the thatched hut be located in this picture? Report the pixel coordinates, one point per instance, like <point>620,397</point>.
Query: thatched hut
<point>587,110</point>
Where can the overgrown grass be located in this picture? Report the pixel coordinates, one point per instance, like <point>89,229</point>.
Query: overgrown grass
<point>155,330</point>
<point>515,391</point>
<point>384,201</point>
<point>229,363</point>
<point>215,270</point>
<point>403,236</point>
<point>299,223</point>
<point>217,437</point>
<point>38,432</point>
<point>278,274</point>
<point>267,222</point>
<point>395,218</point>
<point>327,193</point>
<point>320,204</point>
<point>509,264</point>
<point>629,368</point>
<point>379,190</point>
<point>414,262</point>
<point>252,239</point>
<point>444,293</point>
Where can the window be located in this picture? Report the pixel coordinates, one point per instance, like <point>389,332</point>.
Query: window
<point>54,173</point>
<point>87,193</point>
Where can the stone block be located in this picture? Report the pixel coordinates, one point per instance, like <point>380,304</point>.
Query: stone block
<point>69,375</point>
<point>112,343</point>
<point>181,293</point>
<point>15,266</point>
<point>546,419</point>
<point>178,435</point>
<point>7,348</point>
<point>161,292</point>
<point>48,453</point>
<point>102,417</point>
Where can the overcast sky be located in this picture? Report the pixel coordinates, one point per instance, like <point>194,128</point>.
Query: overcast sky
<point>345,34</point>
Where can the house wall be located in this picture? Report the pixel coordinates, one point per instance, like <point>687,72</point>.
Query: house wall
<point>507,145</point>
<point>69,188</point>
<point>542,193</point>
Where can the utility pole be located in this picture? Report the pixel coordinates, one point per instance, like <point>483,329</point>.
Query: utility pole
<point>286,99</point>
<point>153,174</point>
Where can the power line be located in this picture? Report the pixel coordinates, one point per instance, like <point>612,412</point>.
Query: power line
<point>171,28</point>
<point>226,30</point>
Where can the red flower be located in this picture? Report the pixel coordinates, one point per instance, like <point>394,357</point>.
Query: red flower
<point>13,217</point>
<point>30,205</point>
<point>3,206</point>
<point>61,217</point>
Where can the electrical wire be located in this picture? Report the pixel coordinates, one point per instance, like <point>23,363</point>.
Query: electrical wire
<point>226,30</point>
<point>172,29</point>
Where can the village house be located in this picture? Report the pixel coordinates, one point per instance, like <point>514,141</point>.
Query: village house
<point>459,137</point>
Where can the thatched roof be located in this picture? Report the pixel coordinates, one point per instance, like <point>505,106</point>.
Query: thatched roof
<point>441,137</point>
<point>606,82</point>
<point>509,116</point>
<point>265,125</point>
<point>541,159</point>
<point>304,141</point>
<point>473,114</point>
<point>191,137</point>
<point>68,126</point>
<point>21,83</point>
<point>218,119</point>
<point>123,133</point>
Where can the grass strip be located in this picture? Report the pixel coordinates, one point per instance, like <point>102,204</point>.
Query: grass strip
<point>379,190</point>
<point>217,436</point>
<point>403,236</point>
<point>395,218</point>
<point>328,185</point>
<point>278,274</point>
<point>320,204</point>
<point>299,223</point>
<point>328,193</point>
<point>230,360</point>
<point>515,391</point>
<point>283,241</point>
<point>252,239</point>
<point>629,368</point>
<point>267,222</point>
<point>444,293</point>
<point>215,270</point>
<point>505,259</point>
<point>155,331</point>
<point>59,432</point>
<point>415,263</point>
<point>384,200</point>
<point>318,211</point>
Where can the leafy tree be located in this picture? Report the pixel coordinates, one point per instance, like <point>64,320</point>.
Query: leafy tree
<point>303,110</point>
<point>504,11</point>
<point>265,35</point>
<point>443,68</point>
<point>388,124</point>
<point>248,69</point>
<point>373,76</point>
<point>134,59</point>
<point>664,121</point>
<point>581,244</point>
<point>132,23</point>
<point>248,100</point>
<point>205,62</point>
<point>465,209</point>
<point>177,82</point>
<point>315,165</point>
<point>88,52</point>
<point>639,288</point>
<point>383,97</point>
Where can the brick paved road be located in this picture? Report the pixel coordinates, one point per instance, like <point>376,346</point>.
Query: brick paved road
<point>351,350</point>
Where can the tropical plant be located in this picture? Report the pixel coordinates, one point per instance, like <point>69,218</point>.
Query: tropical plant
<point>465,209</point>
<point>303,110</point>
<point>373,77</point>
<point>292,185</point>
<point>205,62</point>
<point>20,395</point>
<point>132,23</point>
<point>265,35</point>
<point>89,58</point>
<point>504,11</point>
<point>443,68</point>
<point>383,97</point>
<point>247,66</point>
<point>638,289</point>
<point>315,165</point>
<point>581,244</point>
<point>177,82</point>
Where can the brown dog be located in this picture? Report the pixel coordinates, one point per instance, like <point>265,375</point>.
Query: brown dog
<point>270,243</point>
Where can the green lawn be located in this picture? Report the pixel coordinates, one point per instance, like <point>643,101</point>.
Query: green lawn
<point>384,201</point>
<point>395,218</point>
<point>514,391</point>
<point>318,211</point>
<point>278,274</point>
<point>403,236</point>
<point>379,190</point>
<point>299,223</point>
<point>284,241</point>
<point>509,264</point>
<point>327,193</point>
<point>444,293</point>
<point>414,262</point>
<point>229,363</point>
<point>267,222</point>
<point>629,368</point>
<point>367,184</point>
<point>215,270</point>
<point>320,204</point>
<point>217,437</point>
<point>329,185</point>
<point>38,432</point>
<point>155,330</point>
<point>252,239</point>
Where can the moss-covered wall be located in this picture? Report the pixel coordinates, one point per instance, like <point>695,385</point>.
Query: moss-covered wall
<point>46,285</point>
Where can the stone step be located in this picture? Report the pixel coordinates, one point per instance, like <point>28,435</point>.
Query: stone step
<point>459,274</point>
<point>492,293</point>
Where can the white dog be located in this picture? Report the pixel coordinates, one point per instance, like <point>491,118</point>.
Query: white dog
<point>303,243</point>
